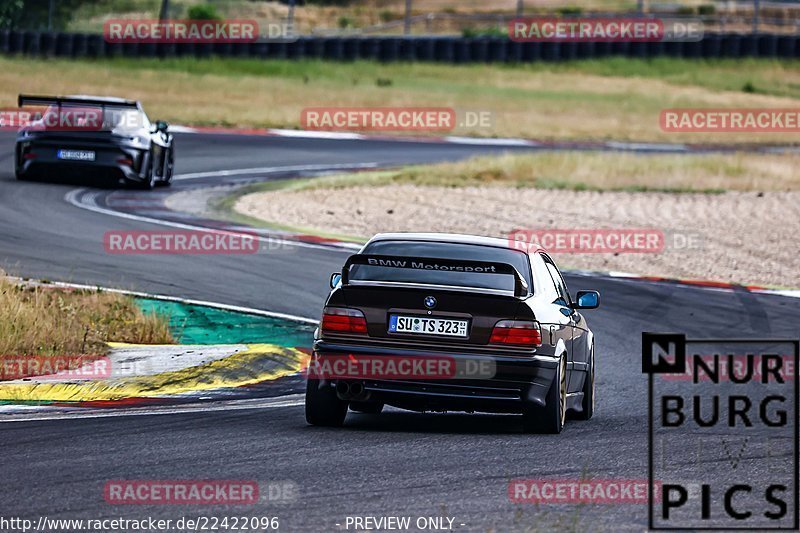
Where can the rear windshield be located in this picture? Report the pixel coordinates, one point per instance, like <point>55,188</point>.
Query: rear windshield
<point>472,252</point>
<point>93,117</point>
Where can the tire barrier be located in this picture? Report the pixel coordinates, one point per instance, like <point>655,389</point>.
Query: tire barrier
<point>391,49</point>
<point>80,45</point>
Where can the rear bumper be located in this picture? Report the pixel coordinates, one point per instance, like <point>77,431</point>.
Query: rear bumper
<point>39,159</point>
<point>54,170</point>
<point>515,380</point>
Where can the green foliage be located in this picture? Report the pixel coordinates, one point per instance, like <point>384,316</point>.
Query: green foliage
<point>483,32</point>
<point>344,22</point>
<point>569,10</point>
<point>33,15</point>
<point>10,11</point>
<point>706,9</point>
<point>329,2</point>
<point>203,12</point>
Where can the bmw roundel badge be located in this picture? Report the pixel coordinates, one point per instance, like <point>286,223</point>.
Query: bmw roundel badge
<point>430,302</point>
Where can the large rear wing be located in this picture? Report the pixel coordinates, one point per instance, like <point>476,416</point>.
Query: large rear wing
<point>437,264</point>
<point>26,99</point>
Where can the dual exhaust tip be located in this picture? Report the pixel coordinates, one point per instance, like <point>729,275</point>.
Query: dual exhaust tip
<point>355,390</point>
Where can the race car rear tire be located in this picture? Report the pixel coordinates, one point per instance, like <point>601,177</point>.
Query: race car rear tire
<point>367,408</point>
<point>548,418</point>
<point>149,181</point>
<point>323,407</point>
<point>169,168</point>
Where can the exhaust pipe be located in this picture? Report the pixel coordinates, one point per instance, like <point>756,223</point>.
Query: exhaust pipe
<point>343,389</point>
<point>359,393</point>
<point>352,391</point>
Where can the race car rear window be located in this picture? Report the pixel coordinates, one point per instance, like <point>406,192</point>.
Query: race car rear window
<point>72,116</point>
<point>472,252</point>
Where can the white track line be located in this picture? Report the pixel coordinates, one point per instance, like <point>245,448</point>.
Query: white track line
<point>481,141</point>
<point>272,170</point>
<point>292,400</point>
<point>650,147</point>
<point>73,198</point>
<point>310,134</point>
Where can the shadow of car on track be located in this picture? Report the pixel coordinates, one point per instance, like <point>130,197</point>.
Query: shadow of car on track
<point>436,423</point>
<point>71,180</point>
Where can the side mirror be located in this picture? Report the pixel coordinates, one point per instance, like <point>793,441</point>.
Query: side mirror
<point>335,279</point>
<point>587,300</point>
<point>162,126</point>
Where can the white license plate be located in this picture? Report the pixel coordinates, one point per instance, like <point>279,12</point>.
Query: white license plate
<point>76,155</point>
<point>427,326</point>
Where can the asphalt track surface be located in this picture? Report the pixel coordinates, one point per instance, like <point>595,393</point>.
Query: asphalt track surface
<point>397,464</point>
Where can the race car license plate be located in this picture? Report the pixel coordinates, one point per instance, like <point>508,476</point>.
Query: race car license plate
<point>76,155</point>
<point>427,326</point>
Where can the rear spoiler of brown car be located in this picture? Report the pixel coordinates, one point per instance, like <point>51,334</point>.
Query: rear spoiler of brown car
<point>438,264</point>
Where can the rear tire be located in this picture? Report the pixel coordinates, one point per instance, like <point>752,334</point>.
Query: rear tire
<point>169,169</point>
<point>149,181</point>
<point>588,393</point>
<point>323,407</point>
<point>367,408</point>
<point>549,418</point>
<point>18,163</point>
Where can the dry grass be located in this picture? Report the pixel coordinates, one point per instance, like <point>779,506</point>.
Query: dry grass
<point>595,171</point>
<point>365,13</point>
<point>41,321</point>
<point>360,13</point>
<point>612,99</point>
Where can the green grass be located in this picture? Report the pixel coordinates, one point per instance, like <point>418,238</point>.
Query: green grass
<point>764,76</point>
<point>752,75</point>
<point>575,171</point>
<point>613,98</point>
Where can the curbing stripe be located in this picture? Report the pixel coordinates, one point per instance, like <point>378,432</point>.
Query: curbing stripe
<point>703,284</point>
<point>260,362</point>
